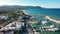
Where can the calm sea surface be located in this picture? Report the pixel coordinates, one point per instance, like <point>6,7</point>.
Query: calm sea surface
<point>54,13</point>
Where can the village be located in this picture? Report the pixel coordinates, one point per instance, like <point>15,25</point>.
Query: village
<point>15,23</point>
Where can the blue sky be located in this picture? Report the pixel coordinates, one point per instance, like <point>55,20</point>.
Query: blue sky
<point>42,3</point>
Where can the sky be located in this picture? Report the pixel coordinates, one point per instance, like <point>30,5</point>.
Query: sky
<point>41,3</point>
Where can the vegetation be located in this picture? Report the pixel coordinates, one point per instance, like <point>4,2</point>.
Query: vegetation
<point>17,32</point>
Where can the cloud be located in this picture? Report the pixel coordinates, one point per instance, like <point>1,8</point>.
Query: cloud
<point>9,2</point>
<point>6,2</point>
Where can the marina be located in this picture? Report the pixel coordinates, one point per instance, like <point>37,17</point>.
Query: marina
<point>22,23</point>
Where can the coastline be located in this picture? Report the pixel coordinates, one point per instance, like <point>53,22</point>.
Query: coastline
<point>25,12</point>
<point>53,20</point>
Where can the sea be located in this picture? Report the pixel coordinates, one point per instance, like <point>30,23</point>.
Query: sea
<point>53,13</point>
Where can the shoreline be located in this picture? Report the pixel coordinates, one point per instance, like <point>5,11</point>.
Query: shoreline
<point>53,20</point>
<point>25,12</point>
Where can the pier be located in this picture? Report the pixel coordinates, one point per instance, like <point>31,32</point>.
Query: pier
<point>53,20</point>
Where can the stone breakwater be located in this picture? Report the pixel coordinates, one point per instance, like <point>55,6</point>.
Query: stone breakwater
<point>53,20</point>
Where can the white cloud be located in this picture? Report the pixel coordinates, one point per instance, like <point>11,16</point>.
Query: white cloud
<point>6,2</point>
<point>9,2</point>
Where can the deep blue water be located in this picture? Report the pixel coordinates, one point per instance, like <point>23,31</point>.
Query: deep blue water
<point>54,13</point>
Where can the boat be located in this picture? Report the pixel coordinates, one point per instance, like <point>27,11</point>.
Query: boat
<point>48,28</point>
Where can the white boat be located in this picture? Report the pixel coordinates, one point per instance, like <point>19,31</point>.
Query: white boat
<point>49,28</point>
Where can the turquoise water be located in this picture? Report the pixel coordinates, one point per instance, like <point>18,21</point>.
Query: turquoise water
<point>53,13</point>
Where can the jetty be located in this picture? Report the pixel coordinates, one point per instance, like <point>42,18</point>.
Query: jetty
<point>53,20</point>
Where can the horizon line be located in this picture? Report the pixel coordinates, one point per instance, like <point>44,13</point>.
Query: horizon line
<point>31,5</point>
